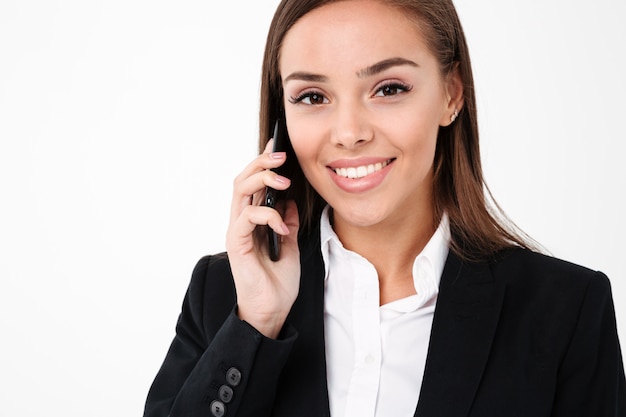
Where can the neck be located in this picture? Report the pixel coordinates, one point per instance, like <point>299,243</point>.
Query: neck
<point>391,247</point>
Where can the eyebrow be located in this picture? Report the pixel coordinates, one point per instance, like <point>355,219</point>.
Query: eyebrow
<point>384,65</point>
<point>365,72</point>
<point>306,76</point>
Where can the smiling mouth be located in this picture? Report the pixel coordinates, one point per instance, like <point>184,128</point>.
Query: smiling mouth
<point>361,171</point>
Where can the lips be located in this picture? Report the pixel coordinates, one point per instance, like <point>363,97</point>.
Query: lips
<point>360,171</point>
<point>360,175</point>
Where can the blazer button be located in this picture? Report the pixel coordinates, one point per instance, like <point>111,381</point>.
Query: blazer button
<point>226,394</point>
<point>233,377</point>
<point>218,409</point>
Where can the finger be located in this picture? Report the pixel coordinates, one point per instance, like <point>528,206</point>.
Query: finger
<point>263,162</point>
<point>253,216</point>
<point>290,217</point>
<point>266,160</point>
<point>291,220</point>
<point>254,186</point>
<point>259,181</point>
<point>240,234</point>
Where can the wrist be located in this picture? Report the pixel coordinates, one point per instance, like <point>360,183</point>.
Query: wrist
<point>269,325</point>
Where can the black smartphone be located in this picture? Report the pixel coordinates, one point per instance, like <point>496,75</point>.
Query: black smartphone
<point>281,141</point>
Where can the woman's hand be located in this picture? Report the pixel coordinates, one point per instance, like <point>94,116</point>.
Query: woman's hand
<point>266,290</point>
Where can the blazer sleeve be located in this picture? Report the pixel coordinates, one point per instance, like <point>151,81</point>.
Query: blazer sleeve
<point>591,376</point>
<point>217,365</point>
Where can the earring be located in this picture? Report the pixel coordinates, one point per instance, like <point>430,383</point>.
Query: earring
<point>454,116</point>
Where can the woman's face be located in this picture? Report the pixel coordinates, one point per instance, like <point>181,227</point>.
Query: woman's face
<point>364,99</point>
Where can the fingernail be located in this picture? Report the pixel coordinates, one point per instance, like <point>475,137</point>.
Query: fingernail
<point>282,180</point>
<point>278,155</point>
<point>285,229</point>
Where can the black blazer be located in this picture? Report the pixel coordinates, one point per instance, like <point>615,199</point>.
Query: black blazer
<point>523,335</point>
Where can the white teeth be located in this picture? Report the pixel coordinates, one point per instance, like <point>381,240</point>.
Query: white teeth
<point>361,171</point>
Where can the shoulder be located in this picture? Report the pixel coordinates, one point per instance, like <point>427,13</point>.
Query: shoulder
<point>534,275</point>
<point>211,272</point>
<point>212,269</point>
<point>211,293</point>
<point>524,262</point>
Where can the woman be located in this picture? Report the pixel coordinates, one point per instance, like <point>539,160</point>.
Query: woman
<point>398,290</point>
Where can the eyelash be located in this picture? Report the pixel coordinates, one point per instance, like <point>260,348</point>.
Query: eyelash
<point>394,85</point>
<point>306,94</point>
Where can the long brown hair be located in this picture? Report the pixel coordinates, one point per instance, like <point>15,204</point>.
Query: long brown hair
<point>479,228</point>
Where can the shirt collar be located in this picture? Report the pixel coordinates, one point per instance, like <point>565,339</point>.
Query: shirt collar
<point>436,250</point>
<point>327,234</point>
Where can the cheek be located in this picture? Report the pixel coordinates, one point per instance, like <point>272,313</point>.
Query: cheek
<point>416,132</point>
<point>305,145</point>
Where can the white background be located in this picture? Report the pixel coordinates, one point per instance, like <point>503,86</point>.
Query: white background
<point>123,123</point>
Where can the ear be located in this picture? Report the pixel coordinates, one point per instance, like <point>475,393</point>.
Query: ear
<point>453,85</point>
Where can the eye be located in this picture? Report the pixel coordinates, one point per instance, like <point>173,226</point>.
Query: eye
<point>310,98</point>
<point>392,89</point>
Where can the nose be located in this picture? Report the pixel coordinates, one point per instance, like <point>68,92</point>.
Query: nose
<point>351,126</point>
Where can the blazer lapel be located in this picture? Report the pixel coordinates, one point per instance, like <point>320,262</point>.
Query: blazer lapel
<point>464,324</point>
<point>304,391</point>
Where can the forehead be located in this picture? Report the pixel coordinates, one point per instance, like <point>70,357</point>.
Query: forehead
<point>356,32</point>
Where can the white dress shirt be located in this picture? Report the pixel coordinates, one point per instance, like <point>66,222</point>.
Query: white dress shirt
<point>375,355</point>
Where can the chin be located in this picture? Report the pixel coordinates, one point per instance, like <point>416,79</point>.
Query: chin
<point>365,217</point>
